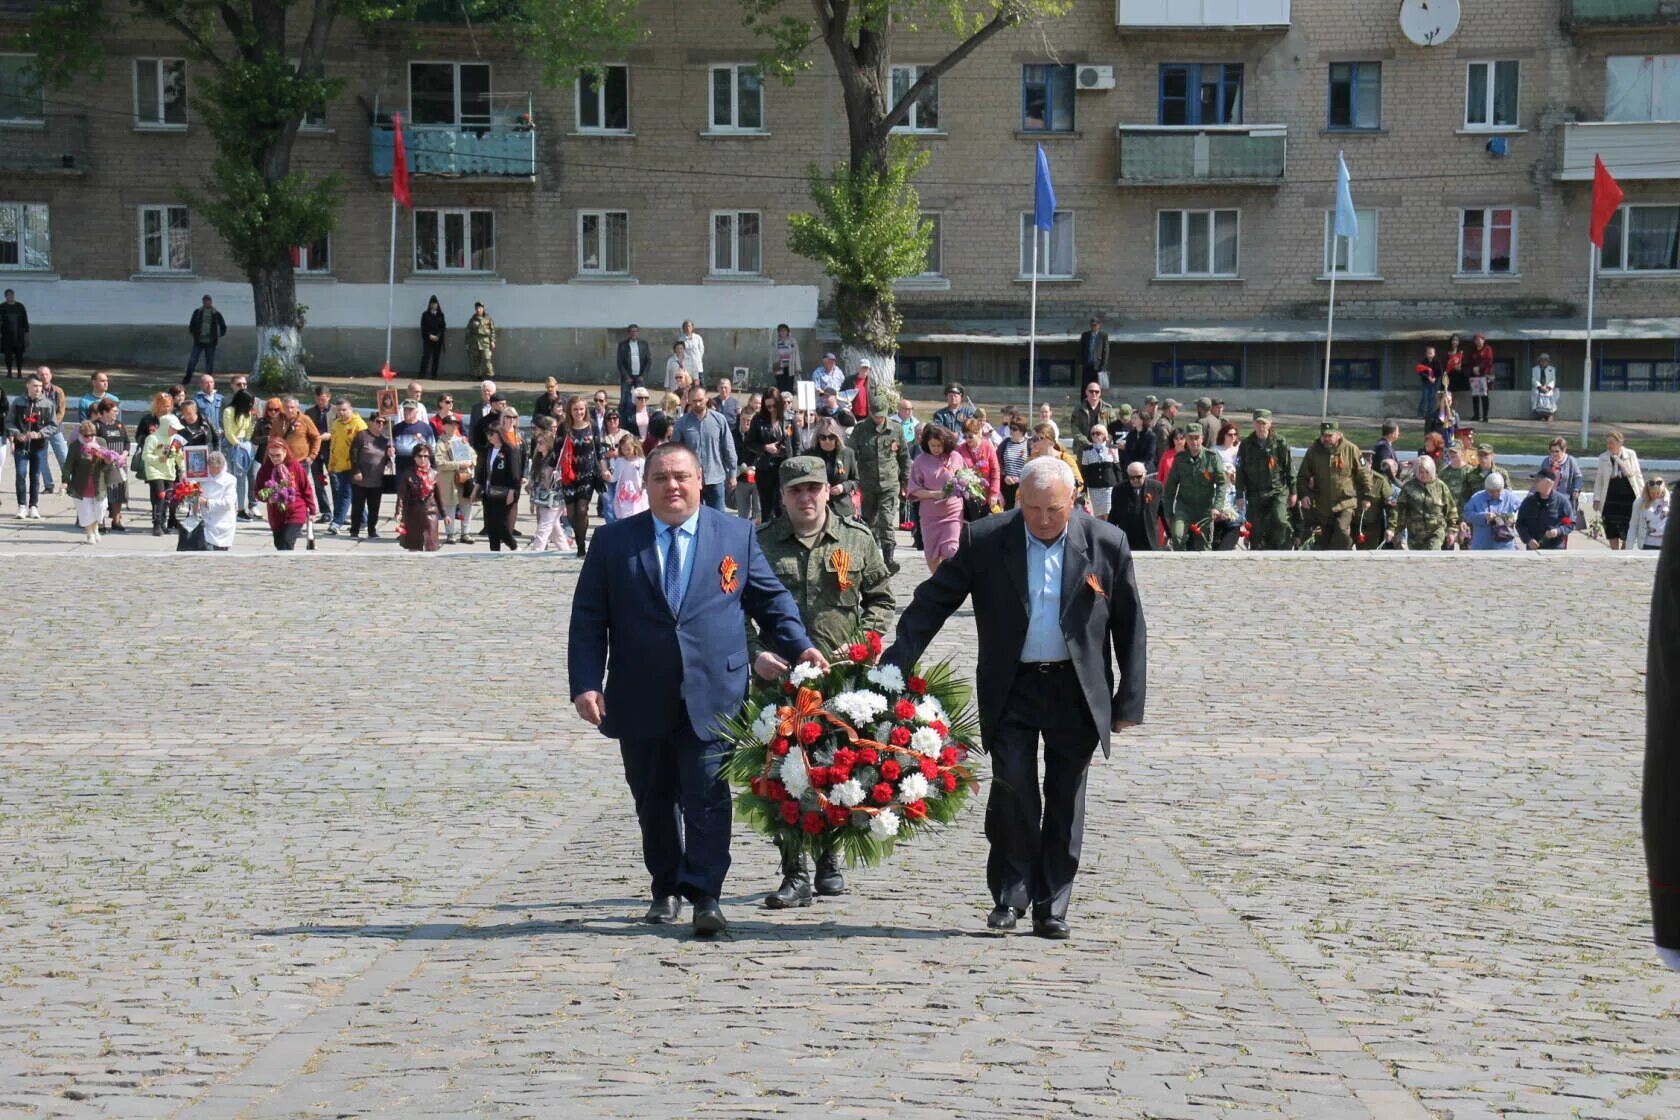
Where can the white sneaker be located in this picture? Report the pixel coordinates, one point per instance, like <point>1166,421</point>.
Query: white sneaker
<point>23,513</point>
<point>34,513</point>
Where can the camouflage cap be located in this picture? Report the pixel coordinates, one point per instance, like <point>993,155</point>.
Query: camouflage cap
<point>1262,414</point>
<point>1329,426</point>
<point>1191,428</point>
<point>1151,399</point>
<point>1124,412</point>
<point>1204,402</point>
<point>803,468</point>
<point>1486,448</point>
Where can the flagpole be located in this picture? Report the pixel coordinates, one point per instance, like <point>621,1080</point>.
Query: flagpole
<point>1587,376</point>
<point>391,282</point>
<point>1330,329</point>
<point>1032,328</point>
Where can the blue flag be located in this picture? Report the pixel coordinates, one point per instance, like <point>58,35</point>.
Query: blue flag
<point>1347,222</point>
<point>1044,195</point>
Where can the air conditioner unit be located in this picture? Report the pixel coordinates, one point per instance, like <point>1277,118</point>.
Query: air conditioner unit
<point>1096,77</point>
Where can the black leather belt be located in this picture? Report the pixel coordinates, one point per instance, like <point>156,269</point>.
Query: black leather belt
<point>1046,666</point>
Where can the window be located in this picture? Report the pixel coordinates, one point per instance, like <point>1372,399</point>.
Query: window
<point>454,241</point>
<point>1642,87</point>
<point>935,265</point>
<point>1354,256</point>
<point>1355,373</point>
<point>20,91</point>
<point>1505,374</point>
<point>1051,371</point>
<point>1642,239</point>
<point>737,98</point>
<point>315,117</point>
<point>24,239</point>
<point>603,242</point>
<point>1356,95</point>
<point>603,100</point>
<point>1490,95</point>
<point>1639,375</point>
<point>1197,373</point>
<point>315,257</point>
<point>165,239</point>
<point>160,93</point>
<point>1201,93</point>
<point>924,111</point>
<point>1046,98</point>
<point>1055,246</point>
<point>735,243</point>
<point>449,94</point>
<point>1487,242</point>
<point>1196,243</point>
<point>920,371</point>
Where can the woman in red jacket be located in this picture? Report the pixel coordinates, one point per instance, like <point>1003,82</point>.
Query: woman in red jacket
<point>283,485</point>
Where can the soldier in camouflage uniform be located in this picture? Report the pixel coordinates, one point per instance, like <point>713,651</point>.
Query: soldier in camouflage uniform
<point>1336,484</point>
<point>1455,473</point>
<point>883,465</point>
<point>1427,511</point>
<point>1475,479</point>
<point>481,342</point>
<point>1264,471</point>
<point>1191,488</point>
<point>834,570</point>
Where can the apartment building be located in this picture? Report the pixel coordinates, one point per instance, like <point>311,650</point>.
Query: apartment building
<point>1193,145</point>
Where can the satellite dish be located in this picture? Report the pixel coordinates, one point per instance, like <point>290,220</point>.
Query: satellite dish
<point>1429,23</point>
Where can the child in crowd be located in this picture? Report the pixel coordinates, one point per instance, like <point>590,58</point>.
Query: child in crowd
<point>629,496</point>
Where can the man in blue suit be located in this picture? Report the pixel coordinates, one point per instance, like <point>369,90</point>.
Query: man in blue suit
<point>660,614</point>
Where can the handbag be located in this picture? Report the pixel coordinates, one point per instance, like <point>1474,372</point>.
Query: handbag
<point>463,477</point>
<point>498,493</point>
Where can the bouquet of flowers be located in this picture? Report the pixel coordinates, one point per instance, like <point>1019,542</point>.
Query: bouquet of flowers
<point>95,450</point>
<point>277,496</point>
<point>971,488</point>
<point>185,491</point>
<point>855,759</point>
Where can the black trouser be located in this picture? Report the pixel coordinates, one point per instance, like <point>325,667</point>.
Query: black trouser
<point>323,490</point>
<point>496,523</point>
<point>14,363</point>
<point>364,500</point>
<point>286,537</point>
<point>578,511</point>
<point>156,489</point>
<point>769,488</point>
<point>1035,844</point>
<point>430,354</point>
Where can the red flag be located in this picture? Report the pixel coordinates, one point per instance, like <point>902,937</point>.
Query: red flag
<point>1607,198</point>
<point>399,166</point>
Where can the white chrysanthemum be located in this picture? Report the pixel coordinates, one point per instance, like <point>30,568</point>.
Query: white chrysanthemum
<point>764,727</point>
<point>859,705</point>
<point>804,671</point>
<point>847,793</point>
<point>929,710</point>
<point>926,741</point>
<point>887,677</point>
<point>795,776</point>
<point>884,825</point>
<point>912,787</point>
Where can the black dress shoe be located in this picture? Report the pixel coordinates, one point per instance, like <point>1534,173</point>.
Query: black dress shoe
<point>1051,929</point>
<point>708,919</point>
<point>664,911</point>
<point>1002,918</point>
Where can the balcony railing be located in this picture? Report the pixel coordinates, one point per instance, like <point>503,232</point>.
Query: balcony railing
<point>1589,14</point>
<point>58,145</point>
<point>1250,15</point>
<point>1630,149</point>
<point>1168,155</point>
<point>503,145</point>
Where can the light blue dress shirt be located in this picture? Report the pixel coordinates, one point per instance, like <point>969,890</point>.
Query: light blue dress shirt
<point>1044,599</point>
<point>684,536</point>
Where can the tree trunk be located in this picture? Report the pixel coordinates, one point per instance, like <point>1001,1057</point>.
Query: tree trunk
<point>279,360</point>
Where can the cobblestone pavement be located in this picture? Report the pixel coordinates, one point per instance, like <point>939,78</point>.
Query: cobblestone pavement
<point>277,843</point>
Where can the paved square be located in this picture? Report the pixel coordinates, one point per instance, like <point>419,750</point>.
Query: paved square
<point>311,836</point>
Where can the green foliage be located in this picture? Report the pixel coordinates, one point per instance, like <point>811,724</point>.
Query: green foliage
<point>271,374</point>
<point>566,36</point>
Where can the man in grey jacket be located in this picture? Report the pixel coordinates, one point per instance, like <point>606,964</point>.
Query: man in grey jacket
<point>707,434</point>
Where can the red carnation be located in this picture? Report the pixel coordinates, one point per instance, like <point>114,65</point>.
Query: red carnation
<point>890,770</point>
<point>904,710</point>
<point>839,816</point>
<point>917,685</point>
<point>787,687</point>
<point>857,651</point>
<point>930,769</point>
<point>948,756</point>
<point>882,793</point>
<point>1248,525</point>
<point>948,782</point>
<point>819,775</point>
<point>916,810</point>
<point>810,731</point>
<point>790,812</point>
<point>838,774</point>
<point>814,822</point>
<point>844,758</point>
<point>900,737</point>
<point>775,790</point>
<point>874,640</point>
<point>1196,530</point>
<point>1362,538</point>
<point>939,726</point>
<point>778,747</point>
<point>1567,521</point>
<point>869,756</point>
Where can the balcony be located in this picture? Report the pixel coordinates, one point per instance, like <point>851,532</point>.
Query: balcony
<point>500,147</point>
<point>1631,149</point>
<point>1191,15</point>
<point>58,145</point>
<point>1613,15</point>
<point>1201,155</point>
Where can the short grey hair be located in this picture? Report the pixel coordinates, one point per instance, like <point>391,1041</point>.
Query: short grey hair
<point>1494,481</point>
<point>215,459</point>
<point>1425,467</point>
<point>487,384</point>
<point>1047,469</point>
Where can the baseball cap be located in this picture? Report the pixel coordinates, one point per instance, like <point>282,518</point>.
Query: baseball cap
<point>1204,402</point>
<point>831,357</point>
<point>1262,414</point>
<point>1151,399</point>
<point>1487,447</point>
<point>803,468</point>
<point>863,363</point>
<point>494,397</point>
<point>877,405</point>
<point>1329,426</point>
<point>1170,403</point>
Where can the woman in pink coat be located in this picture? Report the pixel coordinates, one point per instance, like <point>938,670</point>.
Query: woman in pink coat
<point>981,458</point>
<point>930,474</point>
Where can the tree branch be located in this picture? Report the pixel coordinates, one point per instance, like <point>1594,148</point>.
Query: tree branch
<point>315,39</point>
<point>1008,16</point>
<point>196,40</point>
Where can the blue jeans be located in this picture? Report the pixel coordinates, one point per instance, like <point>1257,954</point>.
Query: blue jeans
<point>711,494</point>
<point>242,462</point>
<point>60,450</point>
<point>341,496</point>
<point>1426,403</point>
<point>31,459</point>
<point>209,355</point>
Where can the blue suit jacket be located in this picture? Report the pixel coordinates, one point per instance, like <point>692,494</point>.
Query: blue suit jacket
<point>659,669</point>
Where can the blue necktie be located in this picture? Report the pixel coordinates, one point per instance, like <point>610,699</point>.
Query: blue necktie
<point>673,568</point>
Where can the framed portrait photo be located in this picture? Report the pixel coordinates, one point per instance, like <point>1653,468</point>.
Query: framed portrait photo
<point>385,402</point>
<point>197,460</point>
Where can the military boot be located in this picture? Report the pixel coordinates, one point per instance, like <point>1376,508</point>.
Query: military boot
<point>887,555</point>
<point>829,879</point>
<point>796,881</point>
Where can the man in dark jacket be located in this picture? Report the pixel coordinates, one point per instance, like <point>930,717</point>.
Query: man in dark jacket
<point>634,361</point>
<point>207,328</point>
<point>14,333</point>
<point>1136,509</point>
<point>1093,354</point>
<point>1545,517</point>
<point>1661,795</point>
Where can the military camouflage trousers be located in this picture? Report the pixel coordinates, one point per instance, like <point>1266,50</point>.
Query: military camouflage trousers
<point>1268,520</point>
<point>483,365</point>
<point>879,510</point>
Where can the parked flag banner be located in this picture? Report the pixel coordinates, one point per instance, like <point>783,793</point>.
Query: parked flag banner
<point>1606,200</point>
<point>399,166</point>
<point>1044,195</point>
<point>1347,222</point>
